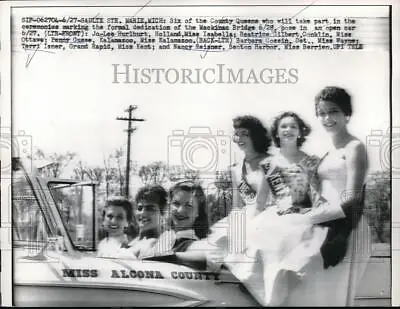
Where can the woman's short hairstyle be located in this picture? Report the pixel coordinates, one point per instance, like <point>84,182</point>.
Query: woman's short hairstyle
<point>152,194</point>
<point>258,133</point>
<point>303,127</point>
<point>200,225</point>
<point>131,229</point>
<point>120,202</point>
<point>336,95</point>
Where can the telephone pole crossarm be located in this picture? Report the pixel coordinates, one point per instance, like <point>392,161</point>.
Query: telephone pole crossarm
<point>132,119</point>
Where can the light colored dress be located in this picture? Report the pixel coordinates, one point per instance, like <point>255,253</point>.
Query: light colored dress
<point>230,232</point>
<point>138,248</point>
<point>111,247</point>
<point>284,265</point>
<point>334,286</point>
<point>276,243</point>
<point>119,247</point>
<point>142,246</point>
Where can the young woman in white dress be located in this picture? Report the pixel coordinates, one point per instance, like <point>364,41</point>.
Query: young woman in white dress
<point>334,274</point>
<point>253,140</point>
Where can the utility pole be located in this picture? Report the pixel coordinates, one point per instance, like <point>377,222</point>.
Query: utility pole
<point>130,130</point>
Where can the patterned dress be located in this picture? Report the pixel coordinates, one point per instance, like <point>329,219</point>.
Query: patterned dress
<point>294,185</point>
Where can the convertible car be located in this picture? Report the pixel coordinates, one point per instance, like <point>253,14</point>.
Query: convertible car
<point>55,233</point>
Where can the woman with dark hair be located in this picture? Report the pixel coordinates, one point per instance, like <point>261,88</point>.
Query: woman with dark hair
<point>117,217</point>
<point>293,121</point>
<point>187,217</point>
<point>342,175</point>
<point>149,211</point>
<point>188,208</point>
<point>289,173</point>
<point>253,139</point>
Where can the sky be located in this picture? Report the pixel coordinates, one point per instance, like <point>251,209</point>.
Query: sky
<point>67,101</point>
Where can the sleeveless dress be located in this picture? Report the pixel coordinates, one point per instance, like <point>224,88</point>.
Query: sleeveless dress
<point>229,233</point>
<point>335,285</point>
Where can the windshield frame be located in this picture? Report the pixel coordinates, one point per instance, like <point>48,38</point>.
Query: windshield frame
<point>74,183</point>
<point>18,167</point>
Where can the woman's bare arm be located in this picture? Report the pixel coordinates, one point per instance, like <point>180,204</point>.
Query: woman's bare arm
<point>356,168</point>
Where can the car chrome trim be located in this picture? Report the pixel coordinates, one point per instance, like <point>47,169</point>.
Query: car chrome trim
<point>181,294</point>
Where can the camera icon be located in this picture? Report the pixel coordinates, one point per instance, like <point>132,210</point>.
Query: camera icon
<point>386,149</point>
<point>19,145</point>
<point>199,150</point>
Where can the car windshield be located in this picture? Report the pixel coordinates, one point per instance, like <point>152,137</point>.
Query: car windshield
<point>30,229</point>
<point>75,203</point>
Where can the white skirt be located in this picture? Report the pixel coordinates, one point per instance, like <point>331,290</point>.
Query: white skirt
<point>277,249</point>
<point>282,263</point>
<point>334,286</point>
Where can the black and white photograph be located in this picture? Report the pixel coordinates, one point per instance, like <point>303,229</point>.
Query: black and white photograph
<point>205,153</point>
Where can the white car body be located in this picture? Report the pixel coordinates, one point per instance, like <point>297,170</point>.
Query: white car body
<point>46,273</point>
